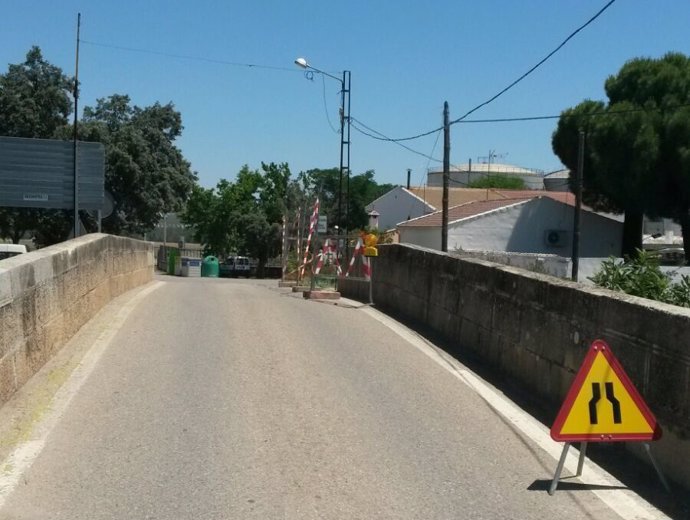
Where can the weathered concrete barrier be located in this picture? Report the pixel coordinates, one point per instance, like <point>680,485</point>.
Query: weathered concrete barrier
<point>47,295</point>
<point>536,329</point>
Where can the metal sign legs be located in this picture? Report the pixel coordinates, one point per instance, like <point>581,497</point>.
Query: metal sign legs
<point>581,462</point>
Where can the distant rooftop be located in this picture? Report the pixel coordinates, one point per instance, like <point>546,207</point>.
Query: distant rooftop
<point>479,207</point>
<point>433,195</point>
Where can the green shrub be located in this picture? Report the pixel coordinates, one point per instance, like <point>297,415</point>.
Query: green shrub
<point>643,277</point>
<point>504,182</point>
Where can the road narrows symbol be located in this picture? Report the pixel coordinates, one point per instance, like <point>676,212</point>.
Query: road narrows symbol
<point>617,419</point>
<point>596,395</point>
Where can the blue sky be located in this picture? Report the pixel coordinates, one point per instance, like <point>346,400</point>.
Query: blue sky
<point>406,58</point>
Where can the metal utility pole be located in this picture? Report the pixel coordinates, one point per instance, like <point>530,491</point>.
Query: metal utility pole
<point>578,205</point>
<point>76,134</point>
<point>446,175</point>
<point>345,87</point>
<point>345,154</point>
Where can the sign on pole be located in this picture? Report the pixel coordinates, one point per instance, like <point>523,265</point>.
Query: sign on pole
<point>323,224</point>
<point>603,404</point>
<point>39,173</point>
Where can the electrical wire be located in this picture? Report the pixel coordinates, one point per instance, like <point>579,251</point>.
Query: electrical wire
<point>325,106</point>
<point>589,114</point>
<point>368,134</point>
<point>540,63</point>
<point>511,85</point>
<point>425,172</point>
<point>189,57</point>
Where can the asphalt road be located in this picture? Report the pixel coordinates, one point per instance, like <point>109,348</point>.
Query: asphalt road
<point>231,399</point>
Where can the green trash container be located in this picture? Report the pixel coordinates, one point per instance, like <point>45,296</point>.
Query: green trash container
<point>172,258</point>
<point>210,267</point>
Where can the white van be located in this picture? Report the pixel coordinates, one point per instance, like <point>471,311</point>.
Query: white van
<point>9,250</point>
<point>241,266</point>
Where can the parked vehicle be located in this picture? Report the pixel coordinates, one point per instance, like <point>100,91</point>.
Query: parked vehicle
<point>10,250</point>
<point>235,266</point>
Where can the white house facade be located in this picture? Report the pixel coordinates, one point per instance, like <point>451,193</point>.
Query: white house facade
<point>398,205</point>
<point>541,225</point>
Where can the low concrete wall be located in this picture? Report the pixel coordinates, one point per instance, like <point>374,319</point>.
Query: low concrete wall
<point>536,329</point>
<point>538,263</point>
<point>47,295</point>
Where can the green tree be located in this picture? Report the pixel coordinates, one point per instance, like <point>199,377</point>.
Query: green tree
<point>145,172</point>
<point>363,189</point>
<point>637,157</point>
<point>244,216</point>
<point>35,102</point>
<point>34,98</point>
<point>504,182</point>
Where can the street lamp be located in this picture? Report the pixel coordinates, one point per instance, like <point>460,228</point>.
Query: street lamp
<point>344,136</point>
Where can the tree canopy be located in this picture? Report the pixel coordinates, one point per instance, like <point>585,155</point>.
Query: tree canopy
<point>35,98</point>
<point>363,189</point>
<point>637,158</point>
<point>245,216</point>
<point>504,182</point>
<point>145,172</point>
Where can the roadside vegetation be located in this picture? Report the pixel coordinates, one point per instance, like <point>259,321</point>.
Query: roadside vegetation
<point>642,276</point>
<point>501,182</point>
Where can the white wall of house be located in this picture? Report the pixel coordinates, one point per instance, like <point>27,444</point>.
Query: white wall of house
<point>398,205</point>
<point>522,228</point>
<point>422,236</point>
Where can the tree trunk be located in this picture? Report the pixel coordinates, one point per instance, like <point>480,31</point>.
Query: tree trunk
<point>685,230</point>
<point>632,233</point>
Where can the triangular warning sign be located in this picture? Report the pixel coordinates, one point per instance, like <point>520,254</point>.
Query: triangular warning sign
<point>603,405</point>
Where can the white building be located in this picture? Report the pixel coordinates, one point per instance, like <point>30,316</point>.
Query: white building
<point>526,223</point>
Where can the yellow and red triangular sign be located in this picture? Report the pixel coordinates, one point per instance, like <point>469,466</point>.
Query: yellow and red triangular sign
<point>603,405</point>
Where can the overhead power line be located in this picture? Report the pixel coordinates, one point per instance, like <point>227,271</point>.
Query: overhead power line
<point>539,64</point>
<point>189,57</point>
<point>583,115</point>
<point>511,85</point>
<point>354,122</point>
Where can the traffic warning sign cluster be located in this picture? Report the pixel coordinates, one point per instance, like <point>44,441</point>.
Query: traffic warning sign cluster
<point>603,405</point>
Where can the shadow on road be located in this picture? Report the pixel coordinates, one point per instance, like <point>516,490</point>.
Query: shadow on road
<point>564,485</point>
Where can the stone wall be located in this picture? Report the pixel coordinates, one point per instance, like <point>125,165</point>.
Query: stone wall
<point>47,295</point>
<point>536,329</point>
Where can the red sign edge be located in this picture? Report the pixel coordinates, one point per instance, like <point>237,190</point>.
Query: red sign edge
<point>600,346</point>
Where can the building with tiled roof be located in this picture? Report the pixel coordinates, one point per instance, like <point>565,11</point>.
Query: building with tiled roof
<point>402,204</point>
<point>522,222</point>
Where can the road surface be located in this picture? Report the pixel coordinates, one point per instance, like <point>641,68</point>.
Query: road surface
<point>232,399</point>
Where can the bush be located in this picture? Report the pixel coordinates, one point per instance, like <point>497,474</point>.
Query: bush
<point>504,182</point>
<point>643,277</point>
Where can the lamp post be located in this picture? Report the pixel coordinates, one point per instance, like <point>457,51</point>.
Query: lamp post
<point>345,84</point>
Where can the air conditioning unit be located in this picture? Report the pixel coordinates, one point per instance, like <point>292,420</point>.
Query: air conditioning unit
<point>556,237</point>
